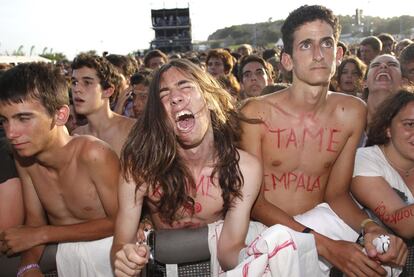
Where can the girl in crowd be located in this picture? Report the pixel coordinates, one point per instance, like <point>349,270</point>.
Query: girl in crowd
<point>350,76</point>
<point>383,179</point>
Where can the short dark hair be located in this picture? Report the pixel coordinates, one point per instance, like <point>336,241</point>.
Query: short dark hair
<point>106,72</point>
<point>35,81</point>
<point>402,44</point>
<point>305,14</point>
<point>269,53</point>
<point>344,47</point>
<point>152,54</point>
<point>126,65</point>
<point>406,56</point>
<point>386,36</point>
<point>372,41</point>
<point>253,58</point>
<point>382,119</point>
<point>141,78</point>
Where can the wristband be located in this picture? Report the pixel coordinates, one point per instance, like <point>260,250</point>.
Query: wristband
<point>307,230</point>
<point>365,222</point>
<point>26,268</point>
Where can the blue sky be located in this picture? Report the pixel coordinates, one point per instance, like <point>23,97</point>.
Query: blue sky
<point>123,26</point>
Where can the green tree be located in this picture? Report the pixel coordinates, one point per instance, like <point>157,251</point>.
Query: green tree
<point>54,56</point>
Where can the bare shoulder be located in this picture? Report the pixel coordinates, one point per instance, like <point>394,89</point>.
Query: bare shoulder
<point>356,103</point>
<point>349,110</point>
<point>92,149</point>
<point>125,123</point>
<point>350,106</point>
<point>260,106</point>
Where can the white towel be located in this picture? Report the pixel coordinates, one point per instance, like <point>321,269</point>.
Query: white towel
<point>279,251</point>
<point>271,252</point>
<point>85,259</point>
<point>214,231</point>
<point>325,221</point>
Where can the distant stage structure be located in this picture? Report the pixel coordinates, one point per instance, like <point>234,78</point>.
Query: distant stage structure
<point>172,30</point>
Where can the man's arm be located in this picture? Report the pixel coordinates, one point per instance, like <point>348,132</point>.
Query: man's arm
<point>126,257</point>
<point>236,222</point>
<point>35,217</point>
<point>338,187</point>
<point>103,166</point>
<point>11,196</point>
<point>11,203</point>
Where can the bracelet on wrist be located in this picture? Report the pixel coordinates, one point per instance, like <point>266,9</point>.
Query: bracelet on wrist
<point>365,222</point>
<point>26,268</point>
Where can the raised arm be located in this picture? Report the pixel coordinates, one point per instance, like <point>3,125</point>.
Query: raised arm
<point>236,221</point>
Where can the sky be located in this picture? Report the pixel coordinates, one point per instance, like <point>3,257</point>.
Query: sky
<point>123,26</point>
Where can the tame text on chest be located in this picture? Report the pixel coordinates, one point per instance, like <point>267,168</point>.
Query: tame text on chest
<point>325,138</point>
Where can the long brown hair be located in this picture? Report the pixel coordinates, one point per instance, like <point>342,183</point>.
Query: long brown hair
<point>150,154</point>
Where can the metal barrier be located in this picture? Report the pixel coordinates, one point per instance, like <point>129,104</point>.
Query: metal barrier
<point>179,253</point>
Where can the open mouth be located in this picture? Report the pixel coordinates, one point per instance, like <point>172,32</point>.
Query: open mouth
<point>185,121</point>
<point>383,77</point>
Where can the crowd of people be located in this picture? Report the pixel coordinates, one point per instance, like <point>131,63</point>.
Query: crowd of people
<point>317,137</point>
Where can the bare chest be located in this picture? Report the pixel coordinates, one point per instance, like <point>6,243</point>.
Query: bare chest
<point>298,155</point>
<point>303,140</point>
<point>208,204</point>
<point>67,196</point>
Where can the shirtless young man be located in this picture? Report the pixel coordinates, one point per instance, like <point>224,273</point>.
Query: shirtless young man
<point>181,159</point>
<point>93,87</point>
<point>69,183</point>
<point>307,145</point>
<point>254,75</point>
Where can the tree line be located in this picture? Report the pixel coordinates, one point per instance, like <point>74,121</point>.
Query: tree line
<point>265,33</point>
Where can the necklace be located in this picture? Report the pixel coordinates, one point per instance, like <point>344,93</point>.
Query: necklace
<point>407,172</point>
